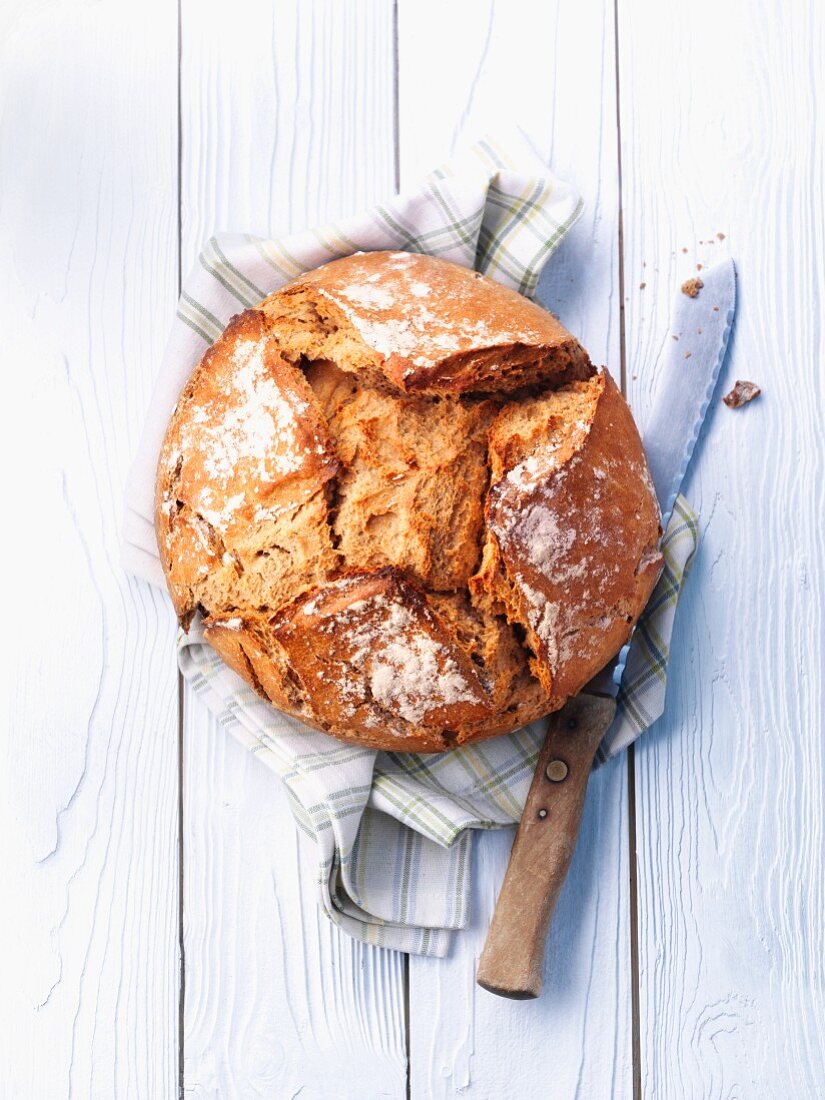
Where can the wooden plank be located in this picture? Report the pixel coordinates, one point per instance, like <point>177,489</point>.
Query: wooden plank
<point>722,134</point>
<point>283,127</point>
<point>277,1000</point>
<point>551,69</point>
<point>88,264</point>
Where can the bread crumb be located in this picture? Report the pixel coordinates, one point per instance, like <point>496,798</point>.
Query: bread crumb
<point>692,287</point>
<point>699,267</point>
<point>721,236</point>
<point>673,336</point>
<point>684,250</point>
<point>687,355</point>
<point>741,394</point>
<point>642,286</point>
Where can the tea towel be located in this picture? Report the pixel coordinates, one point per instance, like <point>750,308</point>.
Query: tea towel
<point>392,832</point>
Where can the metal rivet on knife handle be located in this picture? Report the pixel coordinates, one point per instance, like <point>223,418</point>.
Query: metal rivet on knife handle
<point>556,771</point>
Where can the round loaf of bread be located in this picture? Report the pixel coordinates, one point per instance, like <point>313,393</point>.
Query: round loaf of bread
<point>409,510</point>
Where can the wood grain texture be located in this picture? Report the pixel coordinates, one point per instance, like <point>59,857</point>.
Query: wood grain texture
<point>484,71</point>
<point>287,112</point>
<point>278,1001</point>
<point>573,1040</point>
<point>88,784</point>
<point>282,129</point>
<point>512,961</point>
<point>728,140</point>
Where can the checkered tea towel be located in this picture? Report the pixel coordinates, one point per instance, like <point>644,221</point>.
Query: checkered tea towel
<point>392,831</point>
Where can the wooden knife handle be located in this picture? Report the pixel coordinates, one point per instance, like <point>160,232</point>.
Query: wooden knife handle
<point>512,961</point>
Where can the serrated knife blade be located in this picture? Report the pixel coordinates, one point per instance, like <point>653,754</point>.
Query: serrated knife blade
<point>687,373</point>
<point>688,370</point>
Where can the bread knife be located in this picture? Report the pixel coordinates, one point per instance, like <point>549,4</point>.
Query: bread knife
<point>512,961</point>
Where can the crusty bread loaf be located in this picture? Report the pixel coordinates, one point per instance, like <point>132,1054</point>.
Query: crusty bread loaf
<point>410,511</point>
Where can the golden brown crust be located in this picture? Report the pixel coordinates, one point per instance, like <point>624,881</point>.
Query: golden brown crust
<point>246,450</point>
<point>372,655</point>
<point>574,520</point>
<point>433,327</point>
<point>410,513</point>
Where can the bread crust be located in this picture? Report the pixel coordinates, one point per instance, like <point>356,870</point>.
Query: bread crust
<point>576,526</point>
<point>410,512</point>
<point>247,447</point>
<point>430,326</point>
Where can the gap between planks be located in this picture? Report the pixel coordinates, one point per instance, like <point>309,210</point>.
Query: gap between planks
<point>181,854</point>
<point>396,133</point>
<point>635,977</point>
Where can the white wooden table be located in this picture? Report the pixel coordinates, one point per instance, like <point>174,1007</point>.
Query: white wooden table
<point>159,933</point>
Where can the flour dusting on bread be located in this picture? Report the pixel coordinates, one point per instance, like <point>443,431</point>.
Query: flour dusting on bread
<point>423,325</point>
<point>410,672</point>
<point>409,510</point>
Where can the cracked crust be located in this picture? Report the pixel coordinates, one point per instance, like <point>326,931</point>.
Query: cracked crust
<point>240,498</point>
<point>573,528</point>
<point>372,654</point>
<point>420,324</point>
<point>409,511</point>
